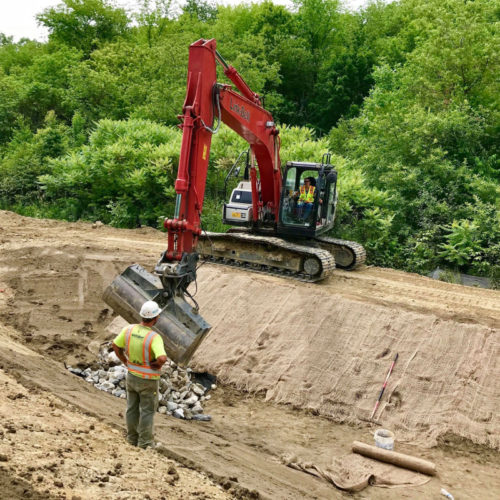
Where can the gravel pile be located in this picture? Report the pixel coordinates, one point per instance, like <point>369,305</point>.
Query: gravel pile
<point>180,396</point>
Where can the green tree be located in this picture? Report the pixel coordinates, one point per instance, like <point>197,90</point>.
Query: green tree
<point>11,91</point>
<point>83,24</point>
<point>345,77</point>
<point>26,157</point>
<point>125,79</point>
<point>426,135</point>
<point>153,19</point>
<point>202,10</point>
<point>5,40</point>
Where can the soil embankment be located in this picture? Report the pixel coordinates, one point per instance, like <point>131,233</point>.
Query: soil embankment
<point>327,348</point>
<point>322,349</point>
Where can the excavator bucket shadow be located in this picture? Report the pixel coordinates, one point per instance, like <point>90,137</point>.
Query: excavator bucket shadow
<point>179,324</point>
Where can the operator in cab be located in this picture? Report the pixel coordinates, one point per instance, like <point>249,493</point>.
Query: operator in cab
<point>306,198</point>
<point>142,351</point>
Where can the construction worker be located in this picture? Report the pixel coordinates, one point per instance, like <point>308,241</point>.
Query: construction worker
<point>306,198</point>
<point>142,351</point>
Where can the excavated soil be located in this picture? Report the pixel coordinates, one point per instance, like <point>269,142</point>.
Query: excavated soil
<point>299,369</point>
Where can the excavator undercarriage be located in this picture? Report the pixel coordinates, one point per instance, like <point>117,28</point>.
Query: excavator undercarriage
<point>310,261</point>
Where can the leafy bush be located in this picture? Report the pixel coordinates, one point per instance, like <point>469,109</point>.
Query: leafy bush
<point>123,177</point>
<point>26,158</point>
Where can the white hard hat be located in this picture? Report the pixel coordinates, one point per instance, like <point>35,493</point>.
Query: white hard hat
<point>150,310</point>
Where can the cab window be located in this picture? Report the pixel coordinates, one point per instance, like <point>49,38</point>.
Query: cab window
<point>332,199</point>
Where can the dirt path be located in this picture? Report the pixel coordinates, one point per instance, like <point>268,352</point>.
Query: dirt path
<point>52,275</point>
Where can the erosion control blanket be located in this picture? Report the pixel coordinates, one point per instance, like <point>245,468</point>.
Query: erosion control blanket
<point>305,345</point>
<point>354,473</point>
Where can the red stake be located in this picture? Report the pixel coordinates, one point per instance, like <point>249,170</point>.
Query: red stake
<point>383,387</point>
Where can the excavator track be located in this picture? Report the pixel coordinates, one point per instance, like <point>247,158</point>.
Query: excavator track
<point>267,255</point>
<point>348,254</point>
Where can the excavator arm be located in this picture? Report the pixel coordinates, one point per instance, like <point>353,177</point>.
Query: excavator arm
<point>206,103</point>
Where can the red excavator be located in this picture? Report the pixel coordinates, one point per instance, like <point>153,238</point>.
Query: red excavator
<point>280,215</point>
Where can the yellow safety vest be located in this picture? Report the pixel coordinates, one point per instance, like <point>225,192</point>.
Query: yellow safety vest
<point>308,196</point>
<point>141,366</point>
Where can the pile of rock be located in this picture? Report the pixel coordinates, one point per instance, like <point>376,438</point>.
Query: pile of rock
<point>180,396</point>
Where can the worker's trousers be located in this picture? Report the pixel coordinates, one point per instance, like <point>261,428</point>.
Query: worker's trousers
<point>142,403</point>
<point>304,210</point>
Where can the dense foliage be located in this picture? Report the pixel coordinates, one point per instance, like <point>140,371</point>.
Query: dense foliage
<point>405,94</point>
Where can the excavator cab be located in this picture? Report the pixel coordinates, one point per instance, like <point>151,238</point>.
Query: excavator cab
<point>308,198</point>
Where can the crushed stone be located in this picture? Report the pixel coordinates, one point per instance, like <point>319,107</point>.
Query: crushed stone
<point>180,395</point>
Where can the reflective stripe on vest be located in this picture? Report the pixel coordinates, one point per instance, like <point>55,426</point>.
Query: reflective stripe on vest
<point>143,369</point>
<point>307,197</point>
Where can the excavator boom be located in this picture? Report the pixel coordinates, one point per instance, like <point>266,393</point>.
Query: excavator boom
<point>206,101</point>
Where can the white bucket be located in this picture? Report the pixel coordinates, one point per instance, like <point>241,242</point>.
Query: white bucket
<point>384,439</point>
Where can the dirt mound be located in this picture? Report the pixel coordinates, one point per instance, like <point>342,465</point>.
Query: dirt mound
<point>53,297</point>
<point>65,454</point>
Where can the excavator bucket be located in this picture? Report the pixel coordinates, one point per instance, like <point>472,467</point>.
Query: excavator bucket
<point>179,324</point>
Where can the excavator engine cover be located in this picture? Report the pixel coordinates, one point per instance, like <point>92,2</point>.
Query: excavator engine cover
<point>179,324</point>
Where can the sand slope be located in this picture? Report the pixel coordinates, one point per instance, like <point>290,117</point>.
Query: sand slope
<point>321,348</point>
<point>318,348</point>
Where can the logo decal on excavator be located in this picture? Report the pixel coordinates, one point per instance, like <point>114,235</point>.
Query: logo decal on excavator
<point>244,113</point>
<point>204,154</point>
